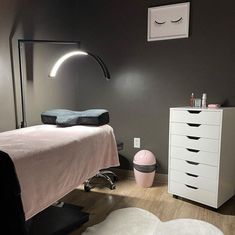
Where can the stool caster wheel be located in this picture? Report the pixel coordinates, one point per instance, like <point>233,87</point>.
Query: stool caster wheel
<point>87,188</point>
<point>112,187</point>
<point>115,178</point>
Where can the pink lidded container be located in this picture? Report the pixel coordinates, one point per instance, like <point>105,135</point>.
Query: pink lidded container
<point>144,164</point>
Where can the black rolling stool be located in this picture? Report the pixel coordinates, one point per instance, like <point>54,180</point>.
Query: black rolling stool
<point>108,175</point>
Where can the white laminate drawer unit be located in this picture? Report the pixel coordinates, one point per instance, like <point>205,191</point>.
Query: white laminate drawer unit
<point>197,116</point>
<point>195,155</point>
<point>194,168</point>
<point>192,142</point>
<point>196,194</point>
<point>202,154</point>
<point>194,180</point>
<point>192,129</point>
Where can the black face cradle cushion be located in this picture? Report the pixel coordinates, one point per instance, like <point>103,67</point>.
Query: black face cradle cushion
<point>65,118</point>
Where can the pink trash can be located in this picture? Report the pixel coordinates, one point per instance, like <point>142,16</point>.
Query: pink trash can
<point>144,164</point>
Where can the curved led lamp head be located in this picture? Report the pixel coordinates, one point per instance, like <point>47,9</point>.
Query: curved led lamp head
<point>63,58</point>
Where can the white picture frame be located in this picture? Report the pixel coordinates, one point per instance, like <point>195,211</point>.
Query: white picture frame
<point>168,22</point>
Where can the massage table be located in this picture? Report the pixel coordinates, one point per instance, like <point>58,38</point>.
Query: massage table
<point>50,161</point>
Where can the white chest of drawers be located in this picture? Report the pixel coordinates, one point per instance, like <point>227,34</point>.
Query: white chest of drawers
<point>202,154</point>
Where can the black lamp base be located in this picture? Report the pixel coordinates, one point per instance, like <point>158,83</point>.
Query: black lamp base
<point>56,220</point>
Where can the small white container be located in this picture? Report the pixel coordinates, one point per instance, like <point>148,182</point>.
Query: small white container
<point>204,97</point>
<point>197,103</point>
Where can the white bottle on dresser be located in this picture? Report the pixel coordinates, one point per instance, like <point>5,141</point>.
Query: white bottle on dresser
<point>204,97</point>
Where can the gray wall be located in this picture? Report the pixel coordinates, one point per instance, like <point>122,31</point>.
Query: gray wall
<point>147,77</point>
<point>7,120</point>
<point>34,20</point>
<point>150,77</point>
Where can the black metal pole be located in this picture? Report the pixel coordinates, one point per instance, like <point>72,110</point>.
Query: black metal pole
<point>23,111</point>
<point>49,41</point>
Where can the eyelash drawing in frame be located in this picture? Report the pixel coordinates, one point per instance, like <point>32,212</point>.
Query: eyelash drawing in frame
<point>160,23</point>
<point>177,21</point>
<point>168,21</point>
<point>172,21</point>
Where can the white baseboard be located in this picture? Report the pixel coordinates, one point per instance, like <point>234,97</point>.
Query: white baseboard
<point>128,174</point>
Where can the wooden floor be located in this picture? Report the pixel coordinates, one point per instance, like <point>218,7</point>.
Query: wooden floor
<point>101,201</point>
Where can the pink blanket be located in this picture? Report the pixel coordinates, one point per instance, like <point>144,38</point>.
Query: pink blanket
<point>50,161</point>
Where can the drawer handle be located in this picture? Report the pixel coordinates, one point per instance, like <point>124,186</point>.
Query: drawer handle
<point>192,163</point>
<point>193,137</point>
<point>194,124</point>
<point>194,111</point>
<point>189,186</point>
<point>193,150</point>
<point>191,175</point>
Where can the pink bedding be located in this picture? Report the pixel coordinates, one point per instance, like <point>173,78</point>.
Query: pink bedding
<point>50,161</point>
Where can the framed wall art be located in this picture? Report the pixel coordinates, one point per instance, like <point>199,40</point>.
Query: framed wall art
<point>168,22</point>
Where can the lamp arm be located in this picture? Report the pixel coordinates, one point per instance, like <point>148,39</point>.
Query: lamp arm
<point>68,55</point>
<point>101,63</point>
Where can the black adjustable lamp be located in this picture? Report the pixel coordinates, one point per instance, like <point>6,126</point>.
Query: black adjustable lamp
<point>55,67</point>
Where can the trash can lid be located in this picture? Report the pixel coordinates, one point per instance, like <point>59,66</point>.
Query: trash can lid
<point>144,157</point>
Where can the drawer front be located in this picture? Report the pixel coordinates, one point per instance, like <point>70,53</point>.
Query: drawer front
<point>198,195</point>
<point>210,145</point>
<point>194,168</point>
<point>194,155</point>
<point>196,116</point>
<point>199,130</point>
<point>194,180</point>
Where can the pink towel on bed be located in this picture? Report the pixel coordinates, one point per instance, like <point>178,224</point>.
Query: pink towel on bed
<point>50,161</point>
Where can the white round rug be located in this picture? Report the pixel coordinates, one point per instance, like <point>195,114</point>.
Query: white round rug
<point>133,221</point>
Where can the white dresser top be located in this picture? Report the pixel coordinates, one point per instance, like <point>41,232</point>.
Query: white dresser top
<point>202,109</point>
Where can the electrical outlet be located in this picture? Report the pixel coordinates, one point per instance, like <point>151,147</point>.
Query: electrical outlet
<point>137,143</point>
